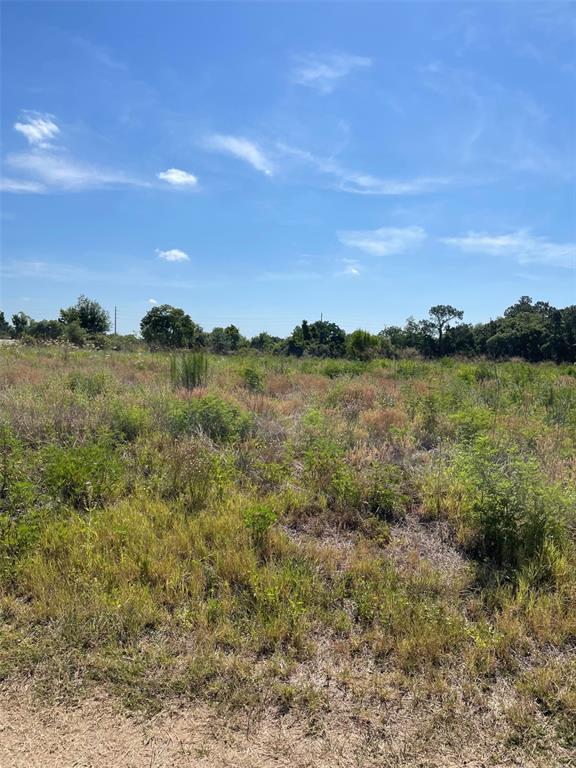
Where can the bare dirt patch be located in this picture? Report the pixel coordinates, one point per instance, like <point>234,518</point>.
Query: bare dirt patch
<point>97,734</point>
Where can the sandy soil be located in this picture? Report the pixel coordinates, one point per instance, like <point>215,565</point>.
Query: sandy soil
<point>96,734</point>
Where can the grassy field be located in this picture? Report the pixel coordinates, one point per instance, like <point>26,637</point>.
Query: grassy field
<point>386,546</point>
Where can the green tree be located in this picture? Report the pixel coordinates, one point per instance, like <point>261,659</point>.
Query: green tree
<point>440,316</point>
<point>46,330</point>
<point>233,337</point>
<point>21,323</point>
<point>91,316</point>
<point>362,345</point>
<point>6,329</point>
<point>320,339</point>
<point>265,342</point>
<point>167,326</point>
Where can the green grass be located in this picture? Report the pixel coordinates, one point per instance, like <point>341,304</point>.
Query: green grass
<point>215,543</point>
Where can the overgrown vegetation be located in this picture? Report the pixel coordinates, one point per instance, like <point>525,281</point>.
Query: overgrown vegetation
<point>267,518</point>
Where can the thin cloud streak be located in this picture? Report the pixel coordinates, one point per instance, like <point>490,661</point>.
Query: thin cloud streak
<point>21,186</point>
<point>242,149</point>
<point>324,71</point>
<point>386,241</point>
<point>70,273</point>
<point>520,245</point>
<point>363,183</point>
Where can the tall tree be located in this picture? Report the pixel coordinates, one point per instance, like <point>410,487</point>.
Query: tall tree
<point>91,316</point>
<point>167,326</point>
<point>21,323</point>
<point>440,316</point>
<point>5,327</point>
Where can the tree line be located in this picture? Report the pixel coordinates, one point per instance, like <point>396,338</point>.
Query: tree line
<point>532,330</point>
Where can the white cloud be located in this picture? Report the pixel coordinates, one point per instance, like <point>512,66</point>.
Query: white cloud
<point>362,183</point>
<point>178,178</point>
<point>152,301</point>
<point>323,71</point>
<point>38,128</point>
<point>520,245</point>
<point>386,241</point>
<point>241,148</point>
<point>174,254</point>
<point>49,168</point>
<point>351,268</point>
<point>21,185</point>
<point>56,170</point>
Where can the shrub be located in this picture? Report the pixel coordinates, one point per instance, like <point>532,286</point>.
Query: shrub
<point>90,385</point>
<point>384,491</point>
<point>259,518</point>
<point>188,470</point>
<point>189,370</point>
<point>82,476</point>
<point>504,509</point>
<point>253,379</point>
<point>17,492</point>
<point>222,421</point>
<point>129,421</point>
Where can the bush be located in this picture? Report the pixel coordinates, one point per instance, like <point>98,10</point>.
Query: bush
<point>129,421</point>
<point>505,510</point>
<point>259,518</point>
<point>385,493</point>
<point>90,385</point>
<point>83,476</point>
<point>253,380</point>
<point>218,419</point>
<point>17,492</point>
<point>189,370</point>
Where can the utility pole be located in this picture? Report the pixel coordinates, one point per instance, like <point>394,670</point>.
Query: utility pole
<point>115,317</point>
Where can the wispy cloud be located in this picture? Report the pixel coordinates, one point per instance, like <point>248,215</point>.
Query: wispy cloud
<point>483,111</point>
<point>21,185</point>
<point>324,71</point>
<point>386,241</point>
<point>58,171</point>
<point>352,268</point>
<point>173,254</point>
<point>152,301</point>
<point>38,128</point>
<point>49,168</point>
<point>99,53</point>
<point>241,148</point>
<point>59,272</point>
<point>178,178</point>
<point>363,183</point>
<point>520,245</point>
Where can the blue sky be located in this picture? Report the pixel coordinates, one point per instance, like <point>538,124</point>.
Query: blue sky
<point>258,163</point>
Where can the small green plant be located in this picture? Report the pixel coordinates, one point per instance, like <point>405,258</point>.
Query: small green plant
<point>83,476</point>
<point>220,420</point>
<point>259,518</point>
<point>189,370</point>
<point>129,421</point>
<point>17,492</point>
<point>253,379</point>
<point>89,385</point>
